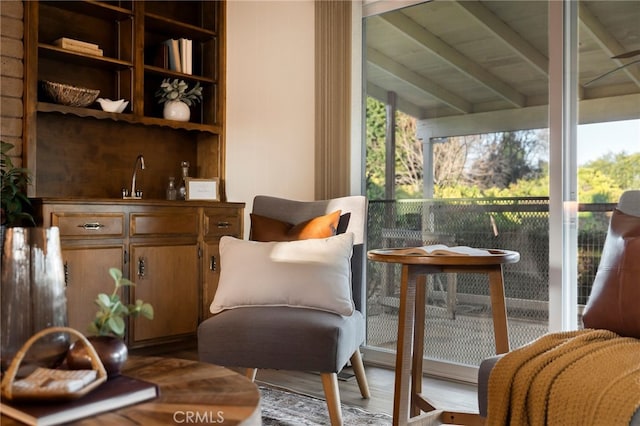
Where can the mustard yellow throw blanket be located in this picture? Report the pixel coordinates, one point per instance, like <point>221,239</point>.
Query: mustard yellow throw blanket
<point>584,377</point>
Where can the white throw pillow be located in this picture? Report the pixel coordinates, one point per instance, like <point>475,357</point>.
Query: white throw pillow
<point>312,273</point>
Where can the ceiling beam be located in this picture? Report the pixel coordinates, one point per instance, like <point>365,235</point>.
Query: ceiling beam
<point>421,83</point>
<point>504,32</point>
<point>377,7</point>
<point>403,105</point>
<point>462,63</point>
<point>606,41</point>
<point>601,110</point>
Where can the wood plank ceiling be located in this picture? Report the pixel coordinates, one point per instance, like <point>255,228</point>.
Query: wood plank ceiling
<point>449,58</point>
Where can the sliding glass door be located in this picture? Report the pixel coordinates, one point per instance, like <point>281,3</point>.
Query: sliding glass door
<point>472,138</point>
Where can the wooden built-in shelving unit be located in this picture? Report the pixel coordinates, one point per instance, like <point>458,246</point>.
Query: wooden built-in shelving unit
<point>89,153</point>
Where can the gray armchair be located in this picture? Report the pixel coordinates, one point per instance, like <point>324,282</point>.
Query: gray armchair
<point>290,338</point>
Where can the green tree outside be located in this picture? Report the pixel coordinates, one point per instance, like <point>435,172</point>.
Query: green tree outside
<point>503,164</point>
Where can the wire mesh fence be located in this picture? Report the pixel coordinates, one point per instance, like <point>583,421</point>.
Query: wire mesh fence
<point>459,327</point>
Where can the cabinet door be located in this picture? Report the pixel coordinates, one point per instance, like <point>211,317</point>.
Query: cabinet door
<point>218,222</point>
<point>210,274</point>
<point>87,274</point>
<point>166,276</point>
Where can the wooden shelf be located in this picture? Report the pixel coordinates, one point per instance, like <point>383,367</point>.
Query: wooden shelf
<point>157,23</point>
<point>58,53</point>
<point>174,74</point>
<point>207,128</point>
<point>48,107</point>
<point>98,9</point>
<point>83,112</point>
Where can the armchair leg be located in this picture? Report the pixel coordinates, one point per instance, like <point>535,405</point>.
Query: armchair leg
<point>361,378</point>
<point>332,395</point>
<point>251,373</point>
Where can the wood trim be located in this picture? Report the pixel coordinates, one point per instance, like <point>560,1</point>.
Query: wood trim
<point>221,110</point>
<point>30,89</point>
<point>333,104</point>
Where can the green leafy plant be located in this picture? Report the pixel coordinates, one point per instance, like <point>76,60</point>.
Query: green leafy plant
<point>111,311</point>
<point>176,90</point>
<point>15,204</point>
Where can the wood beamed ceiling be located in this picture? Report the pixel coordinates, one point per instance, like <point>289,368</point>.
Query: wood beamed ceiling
<point>454,58</point>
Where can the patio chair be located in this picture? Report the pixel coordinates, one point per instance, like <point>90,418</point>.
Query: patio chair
<point>291,337</point>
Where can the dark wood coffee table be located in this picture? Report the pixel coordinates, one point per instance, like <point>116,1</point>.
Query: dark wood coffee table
<point>187,388</point>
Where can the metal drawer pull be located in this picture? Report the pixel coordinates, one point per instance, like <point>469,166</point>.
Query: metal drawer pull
<point>212,263</point>
<point>94,226</point>
<point>223,224</point>
<point>66,273</point>
<point>141,267</point>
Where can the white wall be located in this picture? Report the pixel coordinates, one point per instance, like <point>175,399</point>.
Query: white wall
<point>270,100</point>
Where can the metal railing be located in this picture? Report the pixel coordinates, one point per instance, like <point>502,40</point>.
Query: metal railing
<point>520,224</point>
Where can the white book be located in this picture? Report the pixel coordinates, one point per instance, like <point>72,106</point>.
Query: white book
<point>185,55</point>
<point>444,250</point>
<point>190,56</point>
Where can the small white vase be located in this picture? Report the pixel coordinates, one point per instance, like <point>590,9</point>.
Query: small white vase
<point>176,110</point>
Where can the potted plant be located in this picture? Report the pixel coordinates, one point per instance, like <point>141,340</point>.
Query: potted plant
<point>15,205</point>
<point>108,328</point>
<point>178,98</point>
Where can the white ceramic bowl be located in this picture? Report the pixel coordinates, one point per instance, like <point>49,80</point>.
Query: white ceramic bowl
<point>112,106</point>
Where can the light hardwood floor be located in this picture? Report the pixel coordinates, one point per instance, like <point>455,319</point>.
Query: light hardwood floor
<point>443,394</point>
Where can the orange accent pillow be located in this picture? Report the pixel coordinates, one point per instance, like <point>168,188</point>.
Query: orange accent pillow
<point>268,229</point>
<point>614,303</point>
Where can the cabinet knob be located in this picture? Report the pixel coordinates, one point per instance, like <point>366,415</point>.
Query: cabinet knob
<point>92,226</point>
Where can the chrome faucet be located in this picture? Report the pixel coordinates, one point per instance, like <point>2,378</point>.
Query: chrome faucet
<point>134,194</point>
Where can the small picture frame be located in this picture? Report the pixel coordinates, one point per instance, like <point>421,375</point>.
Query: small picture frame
<point>203,189</point>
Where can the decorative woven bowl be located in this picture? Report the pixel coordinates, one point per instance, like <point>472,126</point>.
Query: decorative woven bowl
<point>66,94</point>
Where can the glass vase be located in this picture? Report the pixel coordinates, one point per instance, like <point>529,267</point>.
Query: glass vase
<point>32,296</point>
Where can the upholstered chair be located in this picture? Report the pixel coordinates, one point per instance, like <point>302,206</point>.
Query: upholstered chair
<point>265,332</point>
<point>588,376</point>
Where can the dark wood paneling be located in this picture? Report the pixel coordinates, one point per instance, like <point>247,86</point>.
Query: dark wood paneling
<point>88,158</point>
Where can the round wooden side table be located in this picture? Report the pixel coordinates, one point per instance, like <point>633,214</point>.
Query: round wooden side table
<point>407,400</point>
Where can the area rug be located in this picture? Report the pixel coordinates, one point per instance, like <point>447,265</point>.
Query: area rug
<point>284,408</point>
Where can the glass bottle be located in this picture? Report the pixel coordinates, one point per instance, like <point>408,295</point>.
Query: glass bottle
<point>172,192</point>
<point>182,189</point>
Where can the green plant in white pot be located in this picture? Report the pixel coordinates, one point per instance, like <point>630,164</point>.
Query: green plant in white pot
<point>178,98</point>
<point>108,328</point>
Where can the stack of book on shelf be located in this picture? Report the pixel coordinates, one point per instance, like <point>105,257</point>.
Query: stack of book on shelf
<point>115,393</point>
<point>180,55</point>
<point>78,46</point>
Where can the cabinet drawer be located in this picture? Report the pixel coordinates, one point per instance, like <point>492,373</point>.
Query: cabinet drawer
<point>179,222</point>
<point>92,224</point>
<point>220,222</point>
